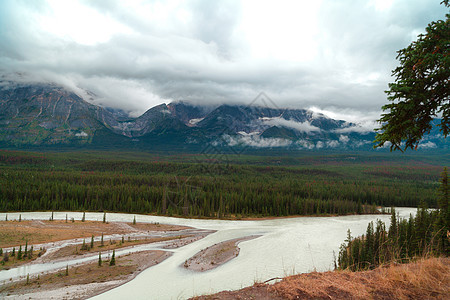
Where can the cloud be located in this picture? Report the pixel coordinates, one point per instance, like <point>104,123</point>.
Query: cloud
<point>299,126</point>
<point>344,139</point>
<point>427,145</point>
<point>332,144</point>
<point>303,144</point>
<point>137,54</point>
<point>256,141</point>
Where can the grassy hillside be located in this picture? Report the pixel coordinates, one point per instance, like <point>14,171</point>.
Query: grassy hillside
<point>424,279</point>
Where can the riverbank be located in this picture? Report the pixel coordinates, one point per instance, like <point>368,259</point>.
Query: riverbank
<point>83,281</point>
<point>424,279</point>
<point>63,241</point>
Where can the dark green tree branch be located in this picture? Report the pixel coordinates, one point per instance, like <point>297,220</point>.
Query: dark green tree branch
<point>421,90</point>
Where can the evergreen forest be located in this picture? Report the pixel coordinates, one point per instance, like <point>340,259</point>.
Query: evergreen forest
<point>212,186</point>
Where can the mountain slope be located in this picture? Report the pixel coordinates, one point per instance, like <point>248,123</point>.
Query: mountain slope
<point>45,114</point>
<point>36,115</point>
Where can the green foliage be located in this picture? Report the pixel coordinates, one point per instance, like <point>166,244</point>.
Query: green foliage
<point>84,246</point>
<point>405,240</point>
<point>30,253</point>
<point>99,259</point>
<point>420,91</point>
<point>112,262</point>
<point>92,242</point>
<point>266,186</point>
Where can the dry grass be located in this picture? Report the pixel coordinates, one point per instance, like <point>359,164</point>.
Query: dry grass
<point>14,233</point>
<point>108,246</point>
<point>424,279</point>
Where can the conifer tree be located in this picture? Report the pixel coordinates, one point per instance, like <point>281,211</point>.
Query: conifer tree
<point>99,258</point>
<point>84,217</point>
<point>104,217</point>
<point>112,262</point>
<point>84,246</point>
<point>101,241</point>
<point>19,253</point>
<point>92,242</point>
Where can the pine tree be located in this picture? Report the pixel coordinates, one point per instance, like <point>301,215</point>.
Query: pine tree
<point>112,262</point>
<point>6,256</point>
<point>84,246</point>
<point>134,220</point>
<point>67,270</point>
<point>25,255</point>
<point>19,253</point>
<point>84,217</point>
<point>442,223</point>
<point>92,242</point>
<point>99,259</point>
<point>104,217</point>
<point>101,241</point>
<point>13,252</point>
<point>20,218</point>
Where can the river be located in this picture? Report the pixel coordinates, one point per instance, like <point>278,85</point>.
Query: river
<point>285,247</point>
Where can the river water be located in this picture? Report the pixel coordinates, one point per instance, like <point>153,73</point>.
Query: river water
<point>284,247</point>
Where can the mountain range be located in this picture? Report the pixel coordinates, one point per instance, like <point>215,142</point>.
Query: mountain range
<point>41,115</point>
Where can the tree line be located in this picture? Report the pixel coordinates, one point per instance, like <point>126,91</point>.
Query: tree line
<point>206,190</point>
<point>425,234</point>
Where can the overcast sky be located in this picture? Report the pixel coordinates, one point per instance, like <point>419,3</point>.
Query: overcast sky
<point>334,55</point>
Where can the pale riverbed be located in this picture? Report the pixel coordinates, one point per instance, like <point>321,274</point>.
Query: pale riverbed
<point>285,246</point>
